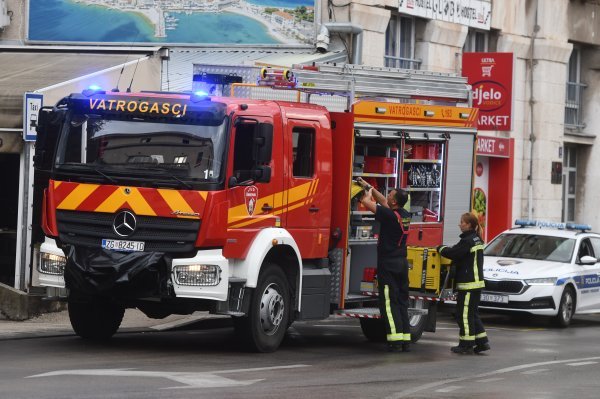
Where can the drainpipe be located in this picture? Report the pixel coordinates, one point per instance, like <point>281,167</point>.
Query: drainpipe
<point>536,29</point>
<point>342,27</point>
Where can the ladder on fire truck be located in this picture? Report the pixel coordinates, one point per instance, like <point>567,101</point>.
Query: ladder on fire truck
<point>360,81</point>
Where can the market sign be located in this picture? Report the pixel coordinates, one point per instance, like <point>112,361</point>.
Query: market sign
<point>493,146</point>
<point>473,13</point>
<point>491,76</point>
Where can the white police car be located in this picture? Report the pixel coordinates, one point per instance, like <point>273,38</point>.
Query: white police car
<point>543,268</point>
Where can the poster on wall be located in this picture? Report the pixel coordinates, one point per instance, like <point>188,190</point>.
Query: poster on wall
<point>480,193</point>
<point>491,75</point>
<point>135,22</point>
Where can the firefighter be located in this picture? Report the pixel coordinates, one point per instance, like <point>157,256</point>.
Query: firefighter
<point>392,265</point>
<point>467,257</point>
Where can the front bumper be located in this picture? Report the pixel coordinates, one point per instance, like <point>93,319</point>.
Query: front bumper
<point>536,299</point>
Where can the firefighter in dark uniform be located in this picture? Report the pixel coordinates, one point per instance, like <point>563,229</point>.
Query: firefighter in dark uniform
<point>392,265</point>
<point>467,257</point>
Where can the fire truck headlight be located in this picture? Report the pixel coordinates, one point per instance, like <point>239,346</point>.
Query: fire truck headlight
<point>52,264</point>
<point>199,275</point>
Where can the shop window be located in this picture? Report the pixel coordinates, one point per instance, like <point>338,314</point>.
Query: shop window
<point>303,151</point>
<point>400,43</point>
<point>574,95</point>
<point>569,183</point>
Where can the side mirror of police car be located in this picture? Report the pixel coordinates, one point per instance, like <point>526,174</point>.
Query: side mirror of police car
<point>588,260</point>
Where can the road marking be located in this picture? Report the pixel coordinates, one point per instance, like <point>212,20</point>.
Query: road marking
<point>490,379</point>
<point>192,380</point>
<point>411,392</point>
<point>449,389</point>
<point>581,364</point>
<point>535,371</point>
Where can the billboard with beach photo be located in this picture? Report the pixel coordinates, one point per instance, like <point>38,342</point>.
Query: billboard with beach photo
<point>229,22</point>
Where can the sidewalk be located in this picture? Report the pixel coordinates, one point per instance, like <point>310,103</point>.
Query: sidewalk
<point>57,324</point>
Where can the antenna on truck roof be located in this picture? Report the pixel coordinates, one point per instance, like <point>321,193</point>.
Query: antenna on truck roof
<point>116,88</point>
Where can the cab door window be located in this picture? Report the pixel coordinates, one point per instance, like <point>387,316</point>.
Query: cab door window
<point>596,246</point>
<point>303,151</point>
<point>585,249</point>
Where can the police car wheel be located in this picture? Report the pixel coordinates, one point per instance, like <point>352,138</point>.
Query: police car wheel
<point>95,319</point>
<point>566,308</point>
<point>268,317</point>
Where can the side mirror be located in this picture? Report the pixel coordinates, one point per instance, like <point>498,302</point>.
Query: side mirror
<point>48,130</point>
<point>588,260</point>
<point>263,143</point>
<point>262,174</point>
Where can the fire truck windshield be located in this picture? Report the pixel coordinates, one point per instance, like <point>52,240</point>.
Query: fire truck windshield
<point>182,151</point>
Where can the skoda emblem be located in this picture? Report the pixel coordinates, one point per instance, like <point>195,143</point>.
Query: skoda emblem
<point>124,223</point>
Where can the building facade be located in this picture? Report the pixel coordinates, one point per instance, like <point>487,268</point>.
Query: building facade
<point>551,162</point>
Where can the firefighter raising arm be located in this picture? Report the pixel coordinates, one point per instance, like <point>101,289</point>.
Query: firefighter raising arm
<point>371,194</point>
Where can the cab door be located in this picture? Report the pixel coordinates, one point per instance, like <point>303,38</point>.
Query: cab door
<point>308,185</point>
<point>588,279</point>
<point>254,203</point>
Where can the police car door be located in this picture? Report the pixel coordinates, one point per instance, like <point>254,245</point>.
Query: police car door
<point>588,280</point>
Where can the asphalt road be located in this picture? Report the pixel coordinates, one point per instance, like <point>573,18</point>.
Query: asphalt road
<point>327,359</point>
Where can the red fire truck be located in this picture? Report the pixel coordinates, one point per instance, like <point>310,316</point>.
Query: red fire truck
<point>175,203</point>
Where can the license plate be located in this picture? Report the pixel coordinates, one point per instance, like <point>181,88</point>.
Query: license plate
<point>123,245</point>
<point>496,298</point>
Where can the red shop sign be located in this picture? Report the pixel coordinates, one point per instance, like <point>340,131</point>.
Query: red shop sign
<point>491,76</point>
<point>493,146</point>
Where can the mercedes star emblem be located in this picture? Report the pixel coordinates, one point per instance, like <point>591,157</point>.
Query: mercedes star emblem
<point>124,223</point>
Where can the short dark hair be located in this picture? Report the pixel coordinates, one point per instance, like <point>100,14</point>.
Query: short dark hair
<point>401,197</point>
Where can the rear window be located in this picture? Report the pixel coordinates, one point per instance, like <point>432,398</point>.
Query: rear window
<point>532,246</point>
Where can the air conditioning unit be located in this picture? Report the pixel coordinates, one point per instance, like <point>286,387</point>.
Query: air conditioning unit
<point>4,17</point>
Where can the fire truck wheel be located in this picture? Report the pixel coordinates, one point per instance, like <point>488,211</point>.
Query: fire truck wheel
<point>417,322</point>
<point>94,319</point>
<point>373,329</point>
<point>267,321</point>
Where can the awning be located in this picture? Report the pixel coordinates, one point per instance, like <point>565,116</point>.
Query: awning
<point>22,72</point>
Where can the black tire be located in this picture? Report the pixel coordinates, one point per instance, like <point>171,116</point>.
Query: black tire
<point>95,319</point>
<point>373,329</point>
<point>269,314</point>
<point>566,308</point>
<point>417,322</point>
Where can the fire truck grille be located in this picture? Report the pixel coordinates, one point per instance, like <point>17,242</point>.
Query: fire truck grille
<point>505,286</point>
<point>160,234</point>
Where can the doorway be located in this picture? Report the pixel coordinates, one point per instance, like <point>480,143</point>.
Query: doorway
<point>9,202</point>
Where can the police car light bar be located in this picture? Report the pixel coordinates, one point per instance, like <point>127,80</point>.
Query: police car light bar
<point>554,225</point>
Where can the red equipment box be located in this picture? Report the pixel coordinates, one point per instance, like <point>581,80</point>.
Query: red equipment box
<point>379,165</point>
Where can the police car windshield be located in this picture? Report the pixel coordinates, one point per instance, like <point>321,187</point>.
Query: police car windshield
<point>531,246</point>
<point>188,151</point>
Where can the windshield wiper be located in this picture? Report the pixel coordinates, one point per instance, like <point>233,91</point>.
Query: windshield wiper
<point>87,167</point>
<point>171,175</point>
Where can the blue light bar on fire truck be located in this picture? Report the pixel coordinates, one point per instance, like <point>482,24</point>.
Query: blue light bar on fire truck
<point>552,225</point>
<point>274,77</point>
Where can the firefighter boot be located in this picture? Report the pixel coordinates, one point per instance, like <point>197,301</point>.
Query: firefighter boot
<point>460,349</point>
<point>406,347</point>
<point>482,347</point>
<point>394,347</point>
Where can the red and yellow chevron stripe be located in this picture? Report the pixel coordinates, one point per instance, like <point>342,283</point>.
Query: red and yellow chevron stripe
<point>141,200</point>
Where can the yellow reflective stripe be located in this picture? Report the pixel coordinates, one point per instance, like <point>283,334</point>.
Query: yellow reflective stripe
<point>406,337</point>
<point>481,335</point>
<point>466,338</point>
<point>388,310</point>
<point>466,314</point>
<point>477,248</point>
<point>470,286</point>
<point>395,337</point>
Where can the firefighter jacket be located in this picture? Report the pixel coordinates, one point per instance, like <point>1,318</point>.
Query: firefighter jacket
<point>467,257</point>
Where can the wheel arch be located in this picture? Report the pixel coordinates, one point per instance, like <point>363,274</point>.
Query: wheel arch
<point>277,246</point>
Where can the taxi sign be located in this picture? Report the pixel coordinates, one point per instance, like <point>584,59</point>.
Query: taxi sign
<point>32,104</point>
